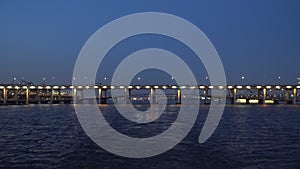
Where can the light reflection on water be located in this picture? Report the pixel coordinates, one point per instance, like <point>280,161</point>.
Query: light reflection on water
<point>50,136</point>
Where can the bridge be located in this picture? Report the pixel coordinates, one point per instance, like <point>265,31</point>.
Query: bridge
<point>67,94</point>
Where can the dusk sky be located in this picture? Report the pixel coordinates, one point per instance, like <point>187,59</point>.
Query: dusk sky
<point>259,40</point>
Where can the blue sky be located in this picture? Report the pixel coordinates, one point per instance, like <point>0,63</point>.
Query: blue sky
<point>256,39</point>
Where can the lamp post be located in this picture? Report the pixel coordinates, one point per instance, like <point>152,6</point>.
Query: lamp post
<point>44,81</point>
<point>243,80</point>
<point>206,78</point>
<point>105,78</point>
<point>14,80</point>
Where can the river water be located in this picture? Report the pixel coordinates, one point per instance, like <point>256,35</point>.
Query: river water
<point>248,136</point>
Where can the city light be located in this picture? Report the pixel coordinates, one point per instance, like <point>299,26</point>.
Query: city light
<point>174,87</point>
<point>239,87</point>
<point>183,87</point>
<point>221,87</point>
<point>202,87</point>
<point>253,101</point>
<point>269,101</point>
<point>192,87</point>
<point>241,100</point>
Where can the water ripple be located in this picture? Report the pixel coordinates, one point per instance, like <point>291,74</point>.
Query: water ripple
<point>50,136</point>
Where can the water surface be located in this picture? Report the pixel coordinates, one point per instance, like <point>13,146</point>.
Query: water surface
<point>50,136</point>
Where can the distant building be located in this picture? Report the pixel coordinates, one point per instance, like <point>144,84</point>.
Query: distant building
<point>298,81</point>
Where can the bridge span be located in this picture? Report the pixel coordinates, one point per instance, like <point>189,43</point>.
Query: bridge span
<point>67,94</point>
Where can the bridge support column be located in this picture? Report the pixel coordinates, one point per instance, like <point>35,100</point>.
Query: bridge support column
<point>178,96</point>
<point>287,97</point>
<point>105,97</point>
<point>129,95</point>
<point>126,98</point>
<point>264,95</point>
<point>59,95</point>
<point>52,96</point>
<point>295,96</point>
<point>27,96</point>
<point>234,96</point>
<point>152,96</point>
<point>81,93</point>
<point>74,96</point>
<point>4,96</point>
<point>205,95</point>
<point>100,96</point>
<point>260,92</point>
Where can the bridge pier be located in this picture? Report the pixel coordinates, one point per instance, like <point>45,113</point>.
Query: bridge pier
<point>295,96</point>
<point>81,94</point>
<point>100,96</point>
<point>4,96</point>
<point>178,96</point>
<point>264,96</point>
<point>261,93</point>
<point>74,96</point>
<point>51,96</point>
<point>104,99</point>
<point>153,96</point>
<point>27,96</point>
<point>288,98</point>
<point>205,92</point>
<point>234,96</point>
<point>59,95</point>
<point>126,96</point>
